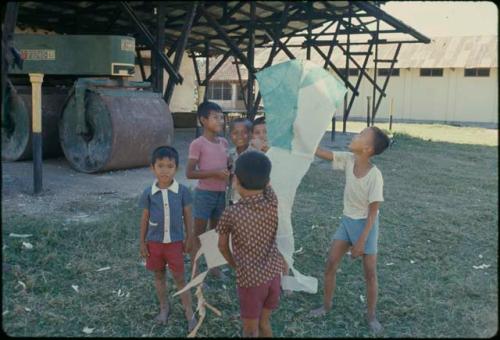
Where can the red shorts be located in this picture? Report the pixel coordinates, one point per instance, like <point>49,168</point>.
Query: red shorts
<point>162,254</point>
<point>253,299</point>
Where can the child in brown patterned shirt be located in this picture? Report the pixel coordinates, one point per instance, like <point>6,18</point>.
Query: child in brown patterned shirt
<point>252,224</point>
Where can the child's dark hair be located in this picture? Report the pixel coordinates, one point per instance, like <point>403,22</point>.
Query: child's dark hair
<point>259,121</point>
<point>205,108</point>
<point>380,141</point>
<point>165,152</point>
<point>245,121</point>
<point>252,170</point>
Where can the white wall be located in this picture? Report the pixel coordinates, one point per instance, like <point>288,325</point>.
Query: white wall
<point>452,98</point>
<point>476,97</point>
<point>395,89</point>
<point>234,103</point>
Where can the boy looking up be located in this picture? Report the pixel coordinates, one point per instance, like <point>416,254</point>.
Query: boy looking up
<point>360,221</point>
<point>259,135</point>
<point>252,224</point>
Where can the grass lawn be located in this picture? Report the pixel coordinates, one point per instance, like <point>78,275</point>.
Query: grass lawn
<point>439,220</point>
<point>433,132</point>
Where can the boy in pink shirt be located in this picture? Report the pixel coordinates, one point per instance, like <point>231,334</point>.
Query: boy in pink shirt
<point>208,162</point>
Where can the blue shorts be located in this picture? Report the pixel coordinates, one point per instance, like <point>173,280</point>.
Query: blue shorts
<point>351,229</point>
<point>208,204</point>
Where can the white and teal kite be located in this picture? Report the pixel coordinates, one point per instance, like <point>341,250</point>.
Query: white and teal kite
<point>300,98</point>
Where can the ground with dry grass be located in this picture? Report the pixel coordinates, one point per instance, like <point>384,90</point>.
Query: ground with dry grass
<point>438,224</point>
<point>435,132</point>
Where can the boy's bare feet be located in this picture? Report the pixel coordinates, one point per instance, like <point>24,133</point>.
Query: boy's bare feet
<point>163,316</point>
<point>192,323</point>
<point>321,311</point>
<point>375,326</point>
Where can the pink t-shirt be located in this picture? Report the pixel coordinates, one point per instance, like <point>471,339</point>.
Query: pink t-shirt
<point>210,156</point>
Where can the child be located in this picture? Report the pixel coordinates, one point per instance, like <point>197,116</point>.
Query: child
<point>259,142</point>
<point>359,225</point>
<point>240,130</point>
<point>252,224</point>
<point>259,135</point>
<point>210,154</point>
<point>166,208</point>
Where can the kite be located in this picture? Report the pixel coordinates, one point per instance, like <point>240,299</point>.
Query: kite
<point>213,258</point>
<point>300,98</point>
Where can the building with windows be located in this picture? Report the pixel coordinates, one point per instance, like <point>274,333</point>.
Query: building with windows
<point>225,87</point>
<point>452,79</point>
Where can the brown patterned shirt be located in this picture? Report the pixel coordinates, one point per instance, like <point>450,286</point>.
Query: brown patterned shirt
<point>252,223</point>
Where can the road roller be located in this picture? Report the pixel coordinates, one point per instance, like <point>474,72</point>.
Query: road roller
<point>90,110</point>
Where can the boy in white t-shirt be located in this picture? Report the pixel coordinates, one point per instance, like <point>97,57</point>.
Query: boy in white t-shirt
<point>359,225</point>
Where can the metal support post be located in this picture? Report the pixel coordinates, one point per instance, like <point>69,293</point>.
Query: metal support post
<point>141,64</point>
<point>151,42</point>
<point>309,29</point>
<point>36,80</point>
<point>207,69</point>
<point>390,114</point>
<point>250,58</point>
<point>368,111</point>
<point>375,74</point>
<point>179,52</point>
<point>386,81</point>
<point>160,45</point>
<point>333,129</point>
<point>346,96</point>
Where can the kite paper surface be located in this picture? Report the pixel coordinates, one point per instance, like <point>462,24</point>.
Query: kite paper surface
<point>300,99</point>
<point>208,248</point>
<point>213,258</point>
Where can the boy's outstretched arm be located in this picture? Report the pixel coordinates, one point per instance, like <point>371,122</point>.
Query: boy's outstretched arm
<point>192,173</point>
<point>224,249</point>
<point>324,154</point>
<point>359,247</point>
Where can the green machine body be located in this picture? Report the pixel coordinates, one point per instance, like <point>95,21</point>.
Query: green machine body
<point>81,55</point>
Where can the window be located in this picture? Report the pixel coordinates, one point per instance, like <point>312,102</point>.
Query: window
<point>219,91</point>
<point>477,72</point>
<point>431,72</point>
<point>384,72</point>
<point>352,72</point>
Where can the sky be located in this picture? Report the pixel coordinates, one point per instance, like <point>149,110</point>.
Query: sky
<point>446,18</point>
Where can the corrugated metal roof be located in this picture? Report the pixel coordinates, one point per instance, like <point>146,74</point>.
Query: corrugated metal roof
<point>442,52</point>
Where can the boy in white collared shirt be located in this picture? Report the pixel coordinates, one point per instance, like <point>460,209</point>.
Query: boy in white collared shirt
<point>358,228</point>
<point>166,229</point>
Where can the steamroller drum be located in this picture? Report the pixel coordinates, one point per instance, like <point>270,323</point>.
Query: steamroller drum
<point>16,127</point>
<point>123,128</point>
